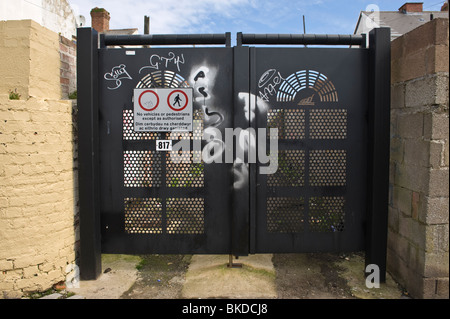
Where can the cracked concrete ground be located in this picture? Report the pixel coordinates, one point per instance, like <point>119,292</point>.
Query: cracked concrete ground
<point>278,276</point>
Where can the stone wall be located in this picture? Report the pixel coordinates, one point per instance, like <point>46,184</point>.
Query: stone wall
<point>37,228</point>
<point>419,183</point>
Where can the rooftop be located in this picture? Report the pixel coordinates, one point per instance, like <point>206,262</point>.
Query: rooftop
<point>408,17</point>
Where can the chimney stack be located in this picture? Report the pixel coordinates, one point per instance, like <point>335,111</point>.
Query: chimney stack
<point>411,7</point>
<point>100,19</point>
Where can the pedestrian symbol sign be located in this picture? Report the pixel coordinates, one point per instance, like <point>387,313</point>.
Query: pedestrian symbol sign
<point>176,102</point>
<point>163,110</point>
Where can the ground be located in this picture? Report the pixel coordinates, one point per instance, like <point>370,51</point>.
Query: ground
<point>292,276</point>
<point>159,277</point>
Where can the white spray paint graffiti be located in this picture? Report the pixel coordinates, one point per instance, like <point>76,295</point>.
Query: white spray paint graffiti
<point>268,83</point>
<point>203,78</point>
<point>240,171</point>
<point>117,74</point>
<point>156,61</point>
<point>251,102</point>
<point>247,141</point>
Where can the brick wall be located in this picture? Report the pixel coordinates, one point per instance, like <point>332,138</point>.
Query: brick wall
<point>419,182</point>
<point>37,224</point>
<point>68,55</point>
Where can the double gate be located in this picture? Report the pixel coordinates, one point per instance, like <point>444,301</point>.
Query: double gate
<point>318,183</point>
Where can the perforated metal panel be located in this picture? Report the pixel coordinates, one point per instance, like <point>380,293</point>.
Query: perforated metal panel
<point>186,171</point>
<point>182,216</point>
<point>291,169</point>
<point>143,215</point>
<point>142,169</point>
<point>285,214</point>
<point>185,216</point>
<point>164,201</point>
<point>316,100</point>
<point>328,167</point>
<point>290,123</point>
<point>327,213</point>
<point>328,124</point>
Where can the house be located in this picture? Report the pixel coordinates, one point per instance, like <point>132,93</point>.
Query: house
<point>408,17</point>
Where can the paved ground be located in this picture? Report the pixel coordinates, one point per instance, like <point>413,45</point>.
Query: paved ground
<point>282,276</point>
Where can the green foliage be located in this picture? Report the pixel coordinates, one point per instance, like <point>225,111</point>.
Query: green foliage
<point>13,95</point>
<point>73,95</point>
<point>96,9</point>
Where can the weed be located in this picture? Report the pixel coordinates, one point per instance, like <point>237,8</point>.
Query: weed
<point>73,95</point>
<point>14,95</point>
<point>141,264</point>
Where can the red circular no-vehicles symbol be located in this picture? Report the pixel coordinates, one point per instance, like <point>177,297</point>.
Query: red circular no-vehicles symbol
<point>148,100</point>
<point>177,103</point>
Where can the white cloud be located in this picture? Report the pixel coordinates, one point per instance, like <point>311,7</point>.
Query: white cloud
<point>217,16</point>
<point>168,16</point>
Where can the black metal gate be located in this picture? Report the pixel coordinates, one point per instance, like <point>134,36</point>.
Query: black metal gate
<point>328,191</point>
<point>149,203</point>
<point>315,200</point>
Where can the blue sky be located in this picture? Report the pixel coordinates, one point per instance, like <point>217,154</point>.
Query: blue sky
<point>248,16</point>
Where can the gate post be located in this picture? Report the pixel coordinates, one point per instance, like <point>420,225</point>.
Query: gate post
<point>88,153</point>
<point>378,152</point>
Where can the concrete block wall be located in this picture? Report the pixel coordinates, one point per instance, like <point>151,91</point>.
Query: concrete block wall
<point>37,184</point>
<point>419,182</point>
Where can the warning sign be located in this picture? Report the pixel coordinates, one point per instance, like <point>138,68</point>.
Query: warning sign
<point>163,110</point>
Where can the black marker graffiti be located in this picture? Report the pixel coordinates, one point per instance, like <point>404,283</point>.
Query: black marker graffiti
<point>200,74</point>
<point>201,90</point>
<point>214,148</point>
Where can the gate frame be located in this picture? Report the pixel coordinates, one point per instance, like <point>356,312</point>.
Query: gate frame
<point>378,116</point>
<point>88,153</point>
